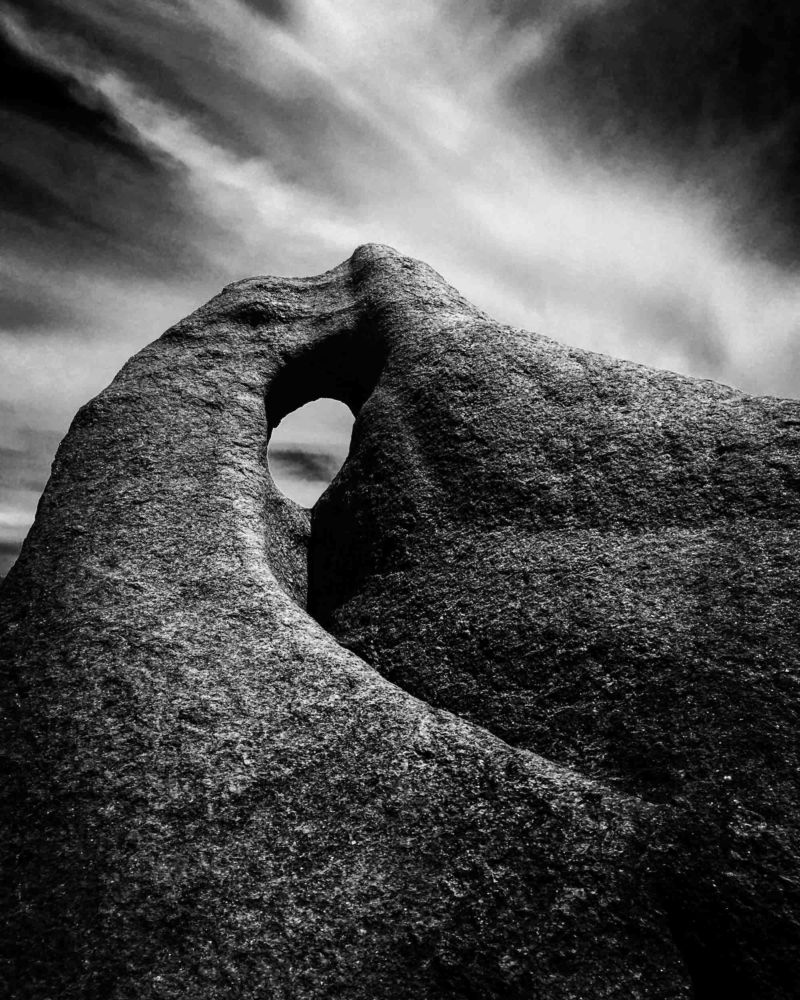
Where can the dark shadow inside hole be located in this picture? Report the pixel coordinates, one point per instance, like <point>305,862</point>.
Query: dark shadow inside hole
<point>308,447</point>
<point>337,370</point>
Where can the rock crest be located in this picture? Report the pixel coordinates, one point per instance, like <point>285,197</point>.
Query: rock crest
<point>512,712</point>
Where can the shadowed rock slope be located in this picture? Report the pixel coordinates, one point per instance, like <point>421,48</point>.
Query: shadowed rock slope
<point>512,714</point>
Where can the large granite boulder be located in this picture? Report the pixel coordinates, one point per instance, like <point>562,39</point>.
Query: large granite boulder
<point>512,713</point>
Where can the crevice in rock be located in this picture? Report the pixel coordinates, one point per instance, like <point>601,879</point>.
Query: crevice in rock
<point>344,366</point>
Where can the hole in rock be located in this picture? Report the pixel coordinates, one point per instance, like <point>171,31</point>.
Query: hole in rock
<point>308,447</point>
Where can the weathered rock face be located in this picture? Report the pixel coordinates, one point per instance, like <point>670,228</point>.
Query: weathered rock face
<point>545,743</point>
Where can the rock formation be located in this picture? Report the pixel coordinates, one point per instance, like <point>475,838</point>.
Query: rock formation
<point>512,713</point>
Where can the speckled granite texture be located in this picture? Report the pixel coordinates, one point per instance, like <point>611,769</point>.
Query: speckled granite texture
<point>512,714</point>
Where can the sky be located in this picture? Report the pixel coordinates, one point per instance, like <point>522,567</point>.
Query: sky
<point>621,175</point>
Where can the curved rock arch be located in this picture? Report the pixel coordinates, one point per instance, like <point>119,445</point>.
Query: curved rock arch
<point>590,563</point>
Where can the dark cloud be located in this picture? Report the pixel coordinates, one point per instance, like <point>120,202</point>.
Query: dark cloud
<point>524,13</point>
<point>147,47</point>
<point>275,10</point>
<point>690,71</point>
<point>69,204</point>
<point>8,555</point>
<point>29,89</point>
<point>28,198</point>
<point>76,203</point>
<point>187,65</point>
<point>79,188</point>
<point>193,71</point>
<point>303,463</point>
<point>52,14</point>
<point>708,86</point>
<point>22,310</point>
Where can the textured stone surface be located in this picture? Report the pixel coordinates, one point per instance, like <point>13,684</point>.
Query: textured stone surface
<point>545,743</point>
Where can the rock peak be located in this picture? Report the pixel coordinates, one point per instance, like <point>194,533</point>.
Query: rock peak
<point>513,710</point>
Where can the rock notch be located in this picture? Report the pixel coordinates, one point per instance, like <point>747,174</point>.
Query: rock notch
<point>513,712</point>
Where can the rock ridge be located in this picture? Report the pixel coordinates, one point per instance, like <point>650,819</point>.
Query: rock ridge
<point>512,711</point>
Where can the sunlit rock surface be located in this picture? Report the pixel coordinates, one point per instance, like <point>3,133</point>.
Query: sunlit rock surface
<point>513,713</point>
